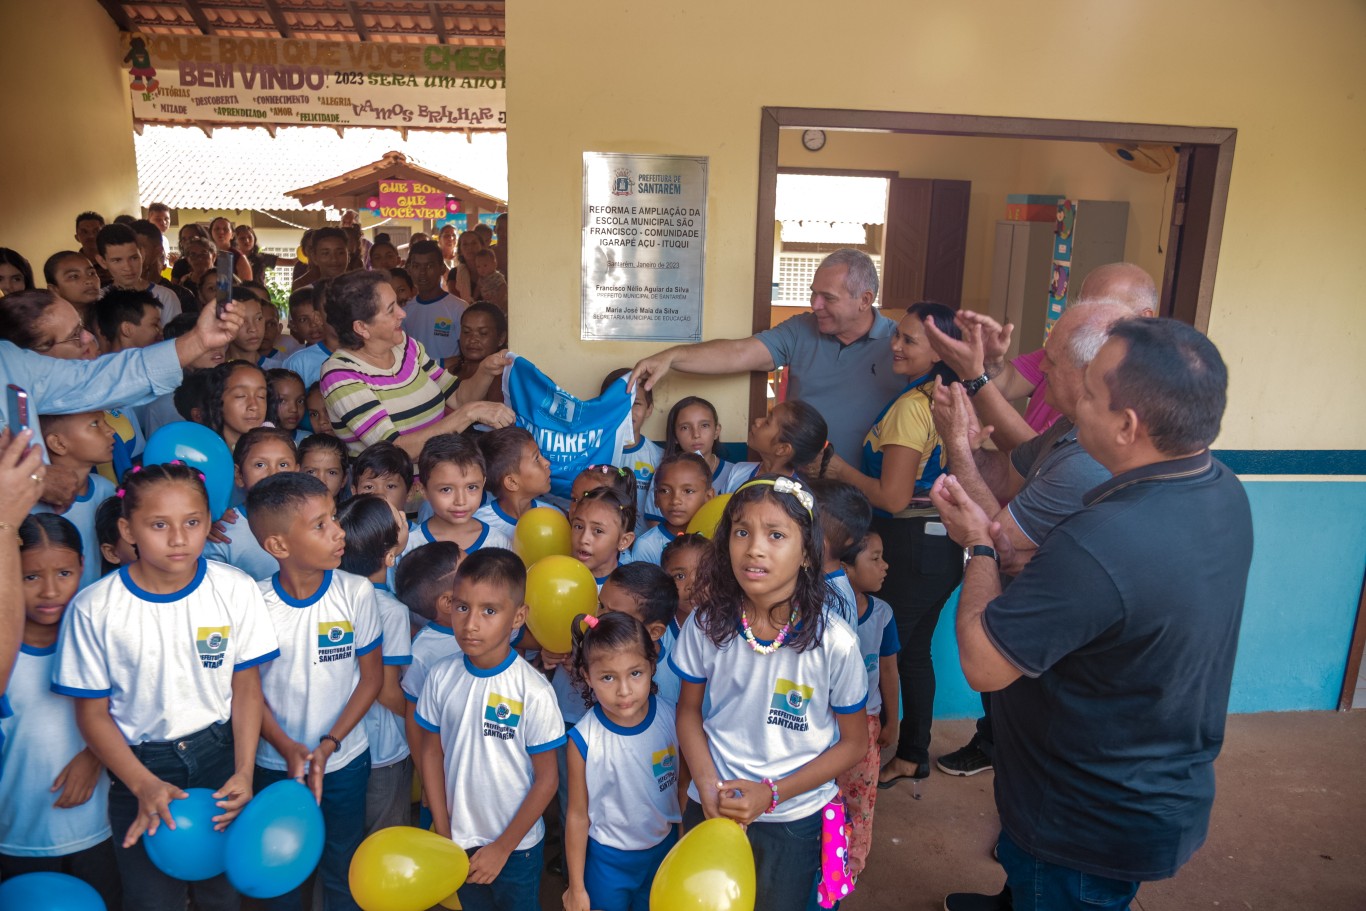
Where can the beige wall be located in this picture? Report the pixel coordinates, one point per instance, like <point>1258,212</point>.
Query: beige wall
<point>691,79</point>
<point>66,137</point>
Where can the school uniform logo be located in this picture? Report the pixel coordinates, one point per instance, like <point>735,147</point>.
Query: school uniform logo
<point>788,708</point>
<point>442,327</point>
<point>665,764</point>
<point>336,640</point>
<point>501,716</point>
<point>212,644</point>
<point>870,662</point>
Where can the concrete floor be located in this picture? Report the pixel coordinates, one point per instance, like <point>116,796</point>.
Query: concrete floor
<point>1288,829</point>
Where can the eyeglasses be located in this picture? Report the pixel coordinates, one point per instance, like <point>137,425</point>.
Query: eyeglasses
<point>76,338</point>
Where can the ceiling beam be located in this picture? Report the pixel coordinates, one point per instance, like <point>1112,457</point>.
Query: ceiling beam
<point>356,21</point>
<point>278,15</point>
<point>197,14</point>
<point>115,10</point>
<point>438,22</point>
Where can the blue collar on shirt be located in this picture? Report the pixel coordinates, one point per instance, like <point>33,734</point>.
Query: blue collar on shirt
<point>170,596</point>
<point>382,587</point>
<point>431,300</point>
<point>674,627</point>
<point>867,613</point>
<point>493,671</point>
<point>89,491</point>
<point>37,652</point>
<point>831,576</point>
<point>720,464</point>
<point>306,602</point>
<point>437,627</point>
<point>498,511</point>
<point>625,731</point>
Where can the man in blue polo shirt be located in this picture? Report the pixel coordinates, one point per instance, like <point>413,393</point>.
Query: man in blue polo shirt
<point>839,354</point>
<point>1109,659</point>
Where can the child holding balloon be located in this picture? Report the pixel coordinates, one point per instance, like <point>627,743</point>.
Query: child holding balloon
<point>683,483</point>
<point>786,689</point>
<point>43,752</point>
<point>163,660</point>
<point>623,769</point>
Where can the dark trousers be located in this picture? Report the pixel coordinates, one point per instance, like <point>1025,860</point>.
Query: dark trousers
<point>787,860</point>
<point>95,866</point>
<point>922,571</point>
<point>1037,885</point>
<point>201,760</point>
<point>985,741</point>
<point>517,887</point>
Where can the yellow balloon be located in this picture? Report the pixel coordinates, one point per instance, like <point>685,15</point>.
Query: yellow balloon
<point>406,869</point>
<point>300,255</point>
<point>709,516</point>
<point>710,869</point>
<point>417,787</point>
<point>541,532</point>
<point>558,589</point>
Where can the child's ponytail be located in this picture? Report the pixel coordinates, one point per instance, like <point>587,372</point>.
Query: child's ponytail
<point>806,432</point>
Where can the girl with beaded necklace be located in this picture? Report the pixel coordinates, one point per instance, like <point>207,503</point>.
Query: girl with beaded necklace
<point>785,691</point>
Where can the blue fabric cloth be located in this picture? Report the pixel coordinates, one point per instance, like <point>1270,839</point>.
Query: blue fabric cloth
<point>573,433</point>
<point>619,880</point>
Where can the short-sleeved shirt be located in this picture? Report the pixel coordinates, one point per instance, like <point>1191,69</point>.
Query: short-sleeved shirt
<point>492,720</point>
<point>40,738</point>
<point>1039,415</point>
<point>308,362</point>
<point>642,458</point>
<point>432,644</point>
<point>877,639</point>
<point>435,323</point>
<point>906,421</point>
<point>368,405</point>
<point>322,639</point>
<point>165,662</point>
<point>1124,625</point>
<point>384,729</point>
<point>649,547</point>
<point>1057,473</point>
<point>841,601</point>
<point>720,483</point>
<point>667,683</point>
<point>243,550</point>
<point>501,522</point>
<point>847,384</point>
<point>772,714</point>
<point>420,533</point>
<point>82,515</point>
<point>632,777</point>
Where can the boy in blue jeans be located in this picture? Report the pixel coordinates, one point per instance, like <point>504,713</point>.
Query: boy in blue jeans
<point>492,725</point>
<point>328,673</point>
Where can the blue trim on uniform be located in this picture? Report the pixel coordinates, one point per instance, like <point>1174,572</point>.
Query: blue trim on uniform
<point>397,660</point>
<point>674,627</point>
<point>306,602</point>
<point>494,671</point>
<point>37,652</point>
<point>425,531</point>
<point>1293,461</point>
<point>545,747</point>
<point>851,709</point>
<point>268,656</point>
<point>686,678</point>
<point>382,587</point>
<point>443,630</point>
<point>863,617</point>
<point>625,731</point>
<point>576,738</point>
<point>601,580</point>
<point>410,697</point>
<point>830,576</point>
<point>479,541</point>
<point>518,636</point>
<point>167,598</point>
<point>498,511</point>
<point>431,300</point>
<point>425,724</point>
<point>720,465</point>
<point>89,492</point>
<point>78,693</point>
<point>379,640</point>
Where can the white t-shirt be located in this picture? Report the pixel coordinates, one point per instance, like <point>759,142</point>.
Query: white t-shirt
<point>494,721</point>
<point>720,477</point>
<point>877,639</point>
<point>492,515</point>
<point>82,515</point>
<point>243,550</point>
<point>322,638</point>
<point>170,302</point>
<point>436,324</point>
<point>383,728</point>
<point>772,714</point>
<point>739,473</point>
<point>666,680</point>
<point>843,605</point>
<point>307,362</point>
<point>641,460</point>
<point>419,534</point>
<point>433,644</point>
<point>649,547</point>
<point>39,740</point>
<point>165,661</point>
<point>632,777</point>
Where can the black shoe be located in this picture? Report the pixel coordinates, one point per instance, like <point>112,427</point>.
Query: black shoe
<point>968,760</point>
<point>977,901</point>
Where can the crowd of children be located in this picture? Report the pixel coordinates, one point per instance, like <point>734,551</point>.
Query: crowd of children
<point>354,620</point>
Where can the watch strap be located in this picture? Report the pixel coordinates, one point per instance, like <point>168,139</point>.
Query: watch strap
<point>981,550</point>
<point>973,386</point>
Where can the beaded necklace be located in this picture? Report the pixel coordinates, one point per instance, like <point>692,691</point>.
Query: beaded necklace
<point>777,640</point>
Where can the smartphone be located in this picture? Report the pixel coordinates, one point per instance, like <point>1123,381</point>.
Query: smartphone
<point>920,502</point>
<point>224,266</point>
<point>17,410</point>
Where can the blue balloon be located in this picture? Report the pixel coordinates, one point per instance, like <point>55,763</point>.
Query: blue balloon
<point>277,841</point>
<point>192,850</point>
<point>201,448</point>
<point>51,892</point>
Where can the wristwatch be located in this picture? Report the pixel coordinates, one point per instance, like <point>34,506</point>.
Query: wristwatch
<point>980,550</point>
<point>972,387</point>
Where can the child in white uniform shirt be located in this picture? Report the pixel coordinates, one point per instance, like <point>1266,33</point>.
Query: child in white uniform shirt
<point>160,656</point>
<point>78,442</point>
<point>787,689</point>
<point>845,517</point>
<point>328,673</point>
<point>790,441</point>
<point>641,457</point>
<point>259,454</point>
<point>623,770</point>
<point>42,748</point>
<point>375,532</point>
<point>490,711</point>
<point>518,475</point>
<point>452,472</point>
<point>682,485</point>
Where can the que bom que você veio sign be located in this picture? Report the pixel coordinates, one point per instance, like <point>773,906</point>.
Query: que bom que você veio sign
<point>408,199</point>
<point>294,82</point>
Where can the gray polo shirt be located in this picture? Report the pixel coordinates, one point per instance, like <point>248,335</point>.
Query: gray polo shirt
<point>848,384</point>
<point>1057,472</point>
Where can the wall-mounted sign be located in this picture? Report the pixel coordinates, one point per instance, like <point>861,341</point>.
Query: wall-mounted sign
<point>409,199</point>
<point>644,239</point>
<point>295,82</point>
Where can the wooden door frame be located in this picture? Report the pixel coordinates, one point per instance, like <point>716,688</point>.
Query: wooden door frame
<point>774,119</point>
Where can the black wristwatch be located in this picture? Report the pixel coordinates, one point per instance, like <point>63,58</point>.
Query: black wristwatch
<point>972,387</point>
<point>980,550</point>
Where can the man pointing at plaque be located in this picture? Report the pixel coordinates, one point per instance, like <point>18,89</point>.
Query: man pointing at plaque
<point>839,356</point>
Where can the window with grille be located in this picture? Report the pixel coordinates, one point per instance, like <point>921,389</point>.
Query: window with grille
<point>795,271</point>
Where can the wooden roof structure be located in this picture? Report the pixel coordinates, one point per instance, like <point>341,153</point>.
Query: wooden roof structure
<point>352,189</point>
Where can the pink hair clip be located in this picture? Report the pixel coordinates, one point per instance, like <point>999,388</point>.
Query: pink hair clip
<point>176,462</point>
<point>590,621</point>
<point>137,468</point>
<point>120,492</point>
<point>202,478</point>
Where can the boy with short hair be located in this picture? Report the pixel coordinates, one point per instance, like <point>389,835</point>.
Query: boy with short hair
<point>433,316</point>
<point>384,470</point>
<point>118,253</point>
<point>487,709</point>
<point>79,442</point>
<point>330,253</point>
<point>306,322</point>
<point>452,472</point>
<point>517,476</point>
<point>128,319</point>
<point>642,457</point>
<point>845,517</point>
<point>88,226</point>
<point>246,345</point>
<point>328,674</point>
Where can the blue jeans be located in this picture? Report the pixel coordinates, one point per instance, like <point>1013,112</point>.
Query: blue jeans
<point>787,860</point>
<point>343,807</point>
<point>201,760</point>
<point>1036,885</point>
<point>517,888</point>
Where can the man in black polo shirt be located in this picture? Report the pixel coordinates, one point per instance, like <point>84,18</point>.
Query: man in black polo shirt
<point>1110,657</point>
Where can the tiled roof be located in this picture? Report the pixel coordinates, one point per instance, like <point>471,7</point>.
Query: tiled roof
<point>244,168</point>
